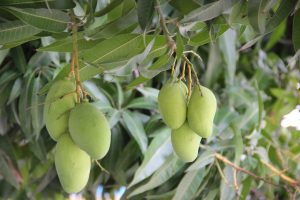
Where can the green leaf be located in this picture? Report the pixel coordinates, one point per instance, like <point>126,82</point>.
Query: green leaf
<point>115,27</point>
<point>204,159</point>
<point>184,7</point>
<point>145,10</point>
<point>227,43</point>
<point>14,31</point>
<point>189,184</point>
<point>116,48</point>
<point>108,8</point>
<point>296,30</point>
<point>256,15</point>
<point>209,11</point>
<point>37,107</point>
<point>276,35</point>
<point>8,76</point>
<point>18,42</point>
<point>15,91</point>
<point>66,44</point>
<point>179,45</point>
<point>138,81</point>
<point>7,172</point>
<point>246,187</point>
<point>142,103</point>
<point>155,156</point>
<point>285,8</point>
<point>19,58</point>
<point>136,129</point>
<point>172,165</point>
<point>41,18</point>
<point>203,37</point>
<point>54,4</point>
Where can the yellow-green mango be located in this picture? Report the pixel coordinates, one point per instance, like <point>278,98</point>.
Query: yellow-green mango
<point>172,103</point>
<point>60,99</point>
<point>185,143</point>
<point>72,164</point>
<point>201,111</point>
<point>90,130</point>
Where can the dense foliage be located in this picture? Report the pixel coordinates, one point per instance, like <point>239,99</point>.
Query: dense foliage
<point>246,52</point>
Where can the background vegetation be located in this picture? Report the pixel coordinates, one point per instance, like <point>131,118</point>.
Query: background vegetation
<point>249,57</point>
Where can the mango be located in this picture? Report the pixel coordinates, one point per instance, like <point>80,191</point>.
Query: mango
<point>72,164</point>
<point>90,130</point>
<point>185,143</point>
<point>201,111</point>
<point>60,99</point>
<point>172,103</point>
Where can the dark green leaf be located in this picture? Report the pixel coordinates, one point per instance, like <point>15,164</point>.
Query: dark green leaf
<point>209,11</point>
<point>256,15</point>
<point>14,31</point>
<point>296,30</point>
<point>19,58</point>
<point>285,8</point>
<point>56,4</point>
<point>108,8</point>
<point>172,165</point>
<point>44,19</point>
<point>155,156</point>
<point>189,184</point>
<point>15,91</point>
<point>184,7</point>
<point>145,10</point>
<point>136,129</point>
<point>138,81</point>
<point>7,172</point>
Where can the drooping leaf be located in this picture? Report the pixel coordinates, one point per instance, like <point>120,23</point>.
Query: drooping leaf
<point>42,18</point>
<point>145,10</point>
<point>37,106</point>
<point>15,91</point>
<point>54,4</point>
<point>14,31</point>
<point>189,184</point>
<point>296,30</point>
<point>115,27</point>
<point>172,165</point>
<point>108,8</point>
<point>155,156</point>
<point>7,172</point>
<point>204,159</point>
<point>256,15</point>
<point>285,8</point>
<point>136,129</point>
<point>276,35</point>
<point>138,81</point>
<point>209,11</point>
<point>203,37</point>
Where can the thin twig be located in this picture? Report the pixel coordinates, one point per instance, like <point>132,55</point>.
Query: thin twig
<point>284,177</point>
<point>228,162</point>
<point>171,42</point>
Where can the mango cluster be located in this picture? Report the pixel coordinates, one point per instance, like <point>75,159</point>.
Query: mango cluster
<point>81,131</point>
<point>190,119</point>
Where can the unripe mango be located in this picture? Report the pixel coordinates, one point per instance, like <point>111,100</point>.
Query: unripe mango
<point>59,101</point>
<point>201,111</point>
<point>172,104</point>
<point>185,143</point>
<point>72,164</point>
<point>90,130</point>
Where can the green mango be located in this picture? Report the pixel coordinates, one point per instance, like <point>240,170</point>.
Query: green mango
<point>201,111</point>
<point>60,99</point>
<point>72,164</point>
<point>90,130</point>
<point>185,143</point>
<point>172,103</point>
